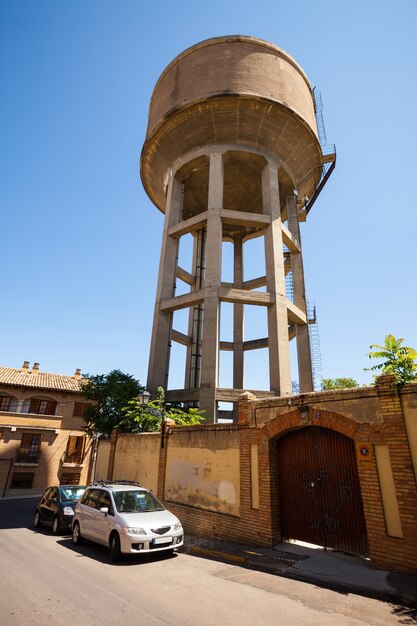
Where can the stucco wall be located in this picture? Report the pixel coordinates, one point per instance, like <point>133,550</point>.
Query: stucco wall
<point>102,461</point>
<point>137,459</point>
<point>203,471</point>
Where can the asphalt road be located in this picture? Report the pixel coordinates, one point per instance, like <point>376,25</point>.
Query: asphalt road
<point>46,580</point>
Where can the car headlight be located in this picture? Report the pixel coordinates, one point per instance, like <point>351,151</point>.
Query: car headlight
<point>177,526</point>
<point>68,510</point>
<point>136,531</point>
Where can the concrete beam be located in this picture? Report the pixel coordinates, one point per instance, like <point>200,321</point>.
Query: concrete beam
<point>188,226</point>
<point>242,218</point>
<point>184,340</point>
<point>289,240</point>
<point>255,283</point>
<point>183,301</point>
<point>295,315</point>
<point>232,395</point>
<point>255,344</point>
<point>185,276</point>
<point>227,346</point>
<point>182,395</point>
<point>243,296</point>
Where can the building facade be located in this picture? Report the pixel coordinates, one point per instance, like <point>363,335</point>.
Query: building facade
<point>42,441</point>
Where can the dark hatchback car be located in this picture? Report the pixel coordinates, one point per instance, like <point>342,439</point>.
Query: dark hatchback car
<point>56,507</point>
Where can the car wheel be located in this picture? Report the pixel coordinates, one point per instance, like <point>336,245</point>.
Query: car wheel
<point>76,534</point>
<point>55,526</point>
<point>115,552</point>
<point>37,519</point>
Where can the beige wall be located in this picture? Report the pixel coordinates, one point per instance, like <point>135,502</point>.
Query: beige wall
<point>102,461</point>
<point>137,459</point>
<point>203,471</point>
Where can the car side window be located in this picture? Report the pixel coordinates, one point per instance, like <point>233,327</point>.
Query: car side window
<point>104,500</point>
<point>46,495</point>
<point>53,496</point>
<point>90,498</point>
<point>93,499</point>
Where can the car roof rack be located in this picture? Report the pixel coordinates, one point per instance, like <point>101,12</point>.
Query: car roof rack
<point>108,483</point>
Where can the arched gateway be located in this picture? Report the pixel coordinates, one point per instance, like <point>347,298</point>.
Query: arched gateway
<point>319,491</point>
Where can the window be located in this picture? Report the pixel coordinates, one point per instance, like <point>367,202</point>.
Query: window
<point>22,480</point>
<point>75,449</point>
<point>29,448</point>
<point>5,403</point>
<point>42,407</point>
<point>80,408</point>
<point>93,497</point>
<point>104,500</point>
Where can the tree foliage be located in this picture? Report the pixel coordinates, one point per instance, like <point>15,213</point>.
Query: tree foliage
<point>396,358</point>
<point>138,418</point>
<point>111,393</point>
<point>338,383</point>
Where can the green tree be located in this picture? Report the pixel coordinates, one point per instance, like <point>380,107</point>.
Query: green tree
<point>397,359</point>
<point>338,383</point>
<point>111,393</point>
<point>139,418</point>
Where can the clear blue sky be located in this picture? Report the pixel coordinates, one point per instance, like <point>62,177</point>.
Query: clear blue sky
<point>80,240</point>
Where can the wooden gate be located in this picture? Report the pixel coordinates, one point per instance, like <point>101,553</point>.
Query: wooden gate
<point>320,498</point>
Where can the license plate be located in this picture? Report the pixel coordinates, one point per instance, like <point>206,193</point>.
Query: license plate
<point>161,540</point>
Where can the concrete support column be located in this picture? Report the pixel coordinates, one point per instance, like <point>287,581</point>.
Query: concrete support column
<point>210,343</point>
<point>279,351</point>
<point>305,371</point>
<point>238,311</point>
<point>162,322</point>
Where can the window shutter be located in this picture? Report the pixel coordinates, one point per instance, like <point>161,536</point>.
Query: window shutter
<point>51,407</point>
<point>34,406</point>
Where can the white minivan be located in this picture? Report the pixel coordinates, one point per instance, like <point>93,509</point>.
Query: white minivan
<point>127,518</point>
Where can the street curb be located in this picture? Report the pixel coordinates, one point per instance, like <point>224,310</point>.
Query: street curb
<point>34,496</point>
<point>215,554</point>
<point>384,596</point>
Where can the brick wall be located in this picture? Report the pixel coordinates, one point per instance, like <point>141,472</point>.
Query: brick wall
<point>370,416</point>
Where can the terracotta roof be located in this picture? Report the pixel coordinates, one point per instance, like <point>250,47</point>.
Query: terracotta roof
<point>40,380</point>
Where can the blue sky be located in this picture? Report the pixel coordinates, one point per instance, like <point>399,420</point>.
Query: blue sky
<point>80,240</point>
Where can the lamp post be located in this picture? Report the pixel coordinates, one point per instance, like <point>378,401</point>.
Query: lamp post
<point>144,398</point>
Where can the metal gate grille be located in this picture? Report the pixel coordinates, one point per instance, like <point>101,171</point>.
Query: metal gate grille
<point>320,498</point>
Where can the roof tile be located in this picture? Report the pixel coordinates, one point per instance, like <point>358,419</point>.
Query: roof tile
<point>40,380</point>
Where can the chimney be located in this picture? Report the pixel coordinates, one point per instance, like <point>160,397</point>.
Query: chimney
<point>77,374</point>
<point>35,368</point>
<point>25,367</point>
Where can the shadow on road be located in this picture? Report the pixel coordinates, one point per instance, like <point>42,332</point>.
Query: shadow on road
<point>102,554</point>
<point>17,513</point>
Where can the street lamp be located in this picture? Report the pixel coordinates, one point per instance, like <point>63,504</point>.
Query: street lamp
<point>144,398</point>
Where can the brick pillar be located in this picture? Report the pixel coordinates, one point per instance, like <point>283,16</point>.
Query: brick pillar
<point>245,403</point>
<point>162,469</point>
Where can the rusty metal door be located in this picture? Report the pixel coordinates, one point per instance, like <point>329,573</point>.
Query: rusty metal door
<point>320,498</point>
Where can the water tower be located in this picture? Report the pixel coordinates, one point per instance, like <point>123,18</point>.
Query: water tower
<point>233,150</point>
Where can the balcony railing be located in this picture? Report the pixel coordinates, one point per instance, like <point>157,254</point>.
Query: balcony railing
<point>27,455</point>
<point>75,458</point>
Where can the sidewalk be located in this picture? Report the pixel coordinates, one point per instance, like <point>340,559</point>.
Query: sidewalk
<point>330,569</point>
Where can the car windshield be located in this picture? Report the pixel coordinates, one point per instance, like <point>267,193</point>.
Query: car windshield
<point>71,493</point>
<point>136,502</point>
